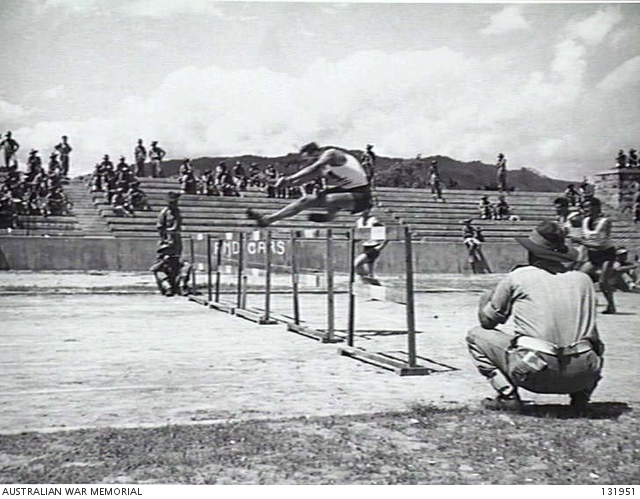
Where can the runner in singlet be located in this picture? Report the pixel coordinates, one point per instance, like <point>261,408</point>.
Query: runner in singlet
<point>347,186</point>
<point>601,252</point>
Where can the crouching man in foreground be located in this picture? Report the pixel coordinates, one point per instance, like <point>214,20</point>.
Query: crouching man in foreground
<point>554,346</point>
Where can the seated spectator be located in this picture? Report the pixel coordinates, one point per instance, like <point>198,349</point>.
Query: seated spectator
<point>124,174</point>
<point>585,191</point>
<point>227,185</point>
<point>633,158</point>
<point>18,193</point>
<point>502,210</point>
<point>120,205</point>
<point>636,205</point>
<point>208,184</point>
<point>240,176</point>
<point>34,165</point>
<point>96,179</point>
<point>110,184</point>
<point>189,182</point>
<point>486,208</point>
<point>54,165</point>
<point>572,195</point>
<point>137,199</point>
<point>8,215</point>
<point>621,159</point>
<point>56,203</point>
<point>271,175</point>
<point>254,175</point>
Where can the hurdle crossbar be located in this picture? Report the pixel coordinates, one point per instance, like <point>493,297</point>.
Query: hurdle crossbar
<point>402,366</point>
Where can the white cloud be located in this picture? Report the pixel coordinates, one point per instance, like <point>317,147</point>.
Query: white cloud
<point>596,27</point>
<point>11,115</point>
<point>53,93</point>
<point>405,103</point>
<point>625,75</point>
<point>168,8</point>
<point>508,19</point>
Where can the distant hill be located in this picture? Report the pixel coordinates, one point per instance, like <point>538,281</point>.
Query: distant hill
<point>398,172</point>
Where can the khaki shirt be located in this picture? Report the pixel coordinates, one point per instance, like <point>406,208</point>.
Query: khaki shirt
<point>559,308</point>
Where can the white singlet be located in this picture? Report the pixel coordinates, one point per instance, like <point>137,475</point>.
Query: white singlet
<point>349,175</point>
<point>596,238</point>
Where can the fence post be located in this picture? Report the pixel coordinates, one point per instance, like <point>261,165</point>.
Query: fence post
<point>411,318</point>
<point>294,279</point>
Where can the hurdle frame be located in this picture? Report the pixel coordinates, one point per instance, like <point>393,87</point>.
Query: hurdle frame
<point>324,336</point>
<point>402,367</point>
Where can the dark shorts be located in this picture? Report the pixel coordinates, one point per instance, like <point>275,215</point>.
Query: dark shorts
<point>598,257</point>
<point>361,196</point>
<point>372,252</point>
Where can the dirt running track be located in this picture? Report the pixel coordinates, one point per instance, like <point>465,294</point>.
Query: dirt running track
<point>92,360</point>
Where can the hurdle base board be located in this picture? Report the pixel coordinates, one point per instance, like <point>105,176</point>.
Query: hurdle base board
<point>314,334</point>
<point>385,361</point>
<point>222,306</point>
<point>254,316</point>
<point>381,293</point>
<point>199,300</point>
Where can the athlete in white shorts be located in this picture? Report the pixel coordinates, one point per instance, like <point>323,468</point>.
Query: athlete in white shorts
<point>347,186</point>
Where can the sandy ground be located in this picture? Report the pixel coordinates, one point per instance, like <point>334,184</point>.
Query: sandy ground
<point>77,354</point>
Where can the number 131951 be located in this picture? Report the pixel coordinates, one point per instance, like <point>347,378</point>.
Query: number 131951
<point>618,491</point>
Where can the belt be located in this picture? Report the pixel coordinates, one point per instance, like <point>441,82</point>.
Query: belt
<point>549,348</point>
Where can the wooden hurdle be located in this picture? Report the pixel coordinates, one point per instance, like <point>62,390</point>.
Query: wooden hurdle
<point>402,363</point>
<point>323,335</point>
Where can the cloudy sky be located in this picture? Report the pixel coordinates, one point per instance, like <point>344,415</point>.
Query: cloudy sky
<point>554,87</point>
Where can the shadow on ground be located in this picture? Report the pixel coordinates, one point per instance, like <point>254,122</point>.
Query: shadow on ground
<point>595,410</point>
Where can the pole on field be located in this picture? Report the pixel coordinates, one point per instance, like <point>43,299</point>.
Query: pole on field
<point>410,306</point>
<point>294,279</point>
<point>352,296</point>
<point>193,262</point>
<point>267,282</point>
<point>240,268</point>
<point>329,277</point>
<point>209,290</point>
<point>220,246</point>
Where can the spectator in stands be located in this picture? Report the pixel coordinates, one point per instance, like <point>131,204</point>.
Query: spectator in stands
<point>371,249</point>
<point>585,190</point>
<point>271,176</point>
<point>56,203</point>
<point>64,150</point>
<point>486,208</point>
<point>110,184</point>
<point>136,198</point>
<point>254,175</point>
<point>502,210</point>
<point>369,163</point>
<point>572,195</point>
<point>10,147</point>
<point>54,164</point>
<point>570,220</point>
<point>240,176</point>
<point>434,181</point>
<point>621,159</point>
<point>124,175</point>
<point>636,204</point>
<point>208,184</point>
<point>156,154</point>
<point>501,173</point>
<point>96,179</point>
<point>601,252</point>
<point>633,158</point>
<point>140,155</point>
<point>120,204</point>
<point>34,165</point>
<point>169,224</point>
<point>8,215</point>
<point>187,178</point>
<point>555,345</point>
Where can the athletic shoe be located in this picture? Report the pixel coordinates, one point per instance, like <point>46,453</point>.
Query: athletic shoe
<point>511,403</point>
<point>254,215</point>
<point>609,310</point>
<point>319,217</point>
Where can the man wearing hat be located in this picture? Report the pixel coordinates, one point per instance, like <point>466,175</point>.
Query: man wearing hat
<point>140,154</point>
<point>170,224</point>
<point>10,146</point>
<point>553,344</point>
<point>369,162</point>
<point>434,180</point>
<point>34,165</point>
<point>64,149</point>
<point>156,154</point>
<point>501,173</point>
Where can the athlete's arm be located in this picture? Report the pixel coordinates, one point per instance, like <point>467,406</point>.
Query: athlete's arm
<point>315,170</point>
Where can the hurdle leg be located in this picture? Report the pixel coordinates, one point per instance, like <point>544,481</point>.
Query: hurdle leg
<point>209,290</point>
<point>220,246</point>
<point>330,290</point>
<point>352,297</point>
<point>410,305</point>
<point>240,269</point>
<point>267,279</point>
<point>193,260</point>
<point>294,280</point>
